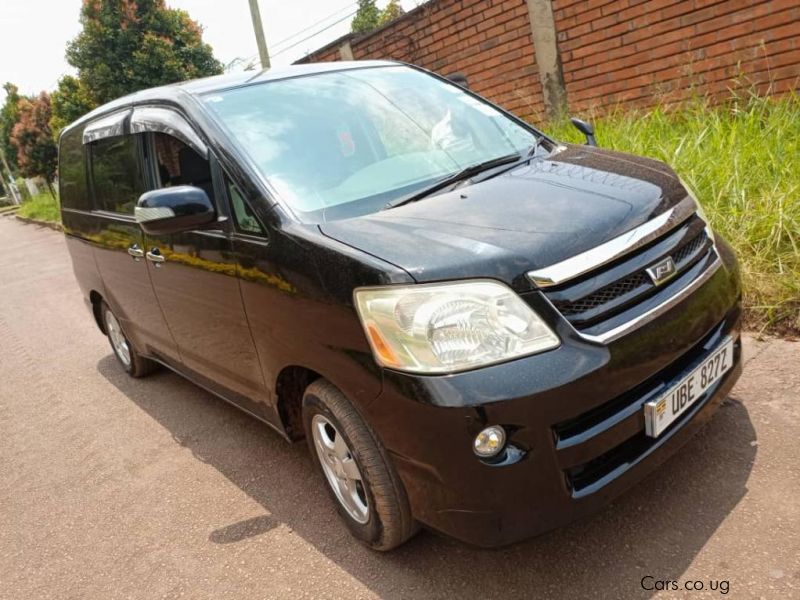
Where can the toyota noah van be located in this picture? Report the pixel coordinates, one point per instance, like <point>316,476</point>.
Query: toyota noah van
<point>476,329</point>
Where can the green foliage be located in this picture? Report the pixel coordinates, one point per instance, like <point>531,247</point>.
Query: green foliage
<point>367,17</point>
<point>23,189</point>
<point>42,207</point>
<point>69,102</point>
<point>9,115</point>
<point>743,161</point>
<point>33,140</point>
<point>392,11</point>
<point>129,45</point>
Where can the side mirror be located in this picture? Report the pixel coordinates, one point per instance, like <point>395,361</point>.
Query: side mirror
<point>586,129</point>
<point>174,209</point>
<point>459,79</point>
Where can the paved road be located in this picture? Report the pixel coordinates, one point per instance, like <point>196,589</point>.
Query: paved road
<point>115,488</point>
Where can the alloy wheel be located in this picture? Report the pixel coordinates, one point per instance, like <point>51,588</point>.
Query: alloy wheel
<point>340,468</point>
<point>118,341</point>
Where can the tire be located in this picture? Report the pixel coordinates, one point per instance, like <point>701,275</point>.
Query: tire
<point>388,522</point>
<point>129,359</point>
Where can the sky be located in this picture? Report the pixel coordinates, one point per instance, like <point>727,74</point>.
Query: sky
<point>34,33</point>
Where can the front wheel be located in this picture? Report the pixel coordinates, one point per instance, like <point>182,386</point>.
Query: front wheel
<point>134,364</point>
<point>368,493</point>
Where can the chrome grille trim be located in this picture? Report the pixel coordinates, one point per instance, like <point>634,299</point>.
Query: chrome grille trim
<point>637,281</point>
<point>584,262</point>
<point>656,311</point>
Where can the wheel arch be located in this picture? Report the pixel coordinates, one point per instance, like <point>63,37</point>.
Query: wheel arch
<point>96,300</point>
<point>290,386</point>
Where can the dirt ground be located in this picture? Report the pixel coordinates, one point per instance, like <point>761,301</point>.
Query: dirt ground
<point>119,488</point>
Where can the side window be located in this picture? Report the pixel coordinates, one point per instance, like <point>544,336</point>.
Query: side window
<point>72,171</point>
<point>178,164</point>
<point>175,163</point>
<point>116,179</point>
<point>243,217</point>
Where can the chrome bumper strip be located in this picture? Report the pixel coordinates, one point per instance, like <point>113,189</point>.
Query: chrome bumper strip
<point>619,246</point>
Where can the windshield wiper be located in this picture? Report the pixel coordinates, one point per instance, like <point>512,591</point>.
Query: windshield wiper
<point>524,157</point>
<point>466,173</point>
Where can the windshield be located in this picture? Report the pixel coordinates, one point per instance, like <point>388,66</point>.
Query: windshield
<point>341,144</point>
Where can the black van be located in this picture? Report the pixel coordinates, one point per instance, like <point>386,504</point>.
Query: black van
<point>476,328</point>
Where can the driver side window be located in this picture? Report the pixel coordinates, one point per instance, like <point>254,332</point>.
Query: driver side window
<point>178,164</point>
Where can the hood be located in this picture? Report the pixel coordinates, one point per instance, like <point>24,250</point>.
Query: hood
<point>527,218</point>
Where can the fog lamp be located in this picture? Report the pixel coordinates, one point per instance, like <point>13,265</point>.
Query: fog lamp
<point>489,442</point>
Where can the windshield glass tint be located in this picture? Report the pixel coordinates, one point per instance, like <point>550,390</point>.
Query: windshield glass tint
<point>341,144</point>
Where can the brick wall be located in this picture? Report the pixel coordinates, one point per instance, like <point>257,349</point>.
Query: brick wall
<point>488,40</point>
<point>325,54</point>
<point>643,52</point>
<point>629,52</point>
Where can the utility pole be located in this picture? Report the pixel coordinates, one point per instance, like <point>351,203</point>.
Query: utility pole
<point>548,59</point>
<point>258,27</point>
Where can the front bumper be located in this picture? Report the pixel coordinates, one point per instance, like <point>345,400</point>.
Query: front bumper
<point>574,414</point>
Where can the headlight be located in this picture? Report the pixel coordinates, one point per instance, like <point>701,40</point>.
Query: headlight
<point>448,327</point>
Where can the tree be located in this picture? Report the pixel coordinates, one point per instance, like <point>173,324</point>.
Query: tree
<point>129,45</point>
<point>33,140</point>
<point>69,102</point>
<point>367,17</point>
<point>392,11</point>
<point>9,116</point>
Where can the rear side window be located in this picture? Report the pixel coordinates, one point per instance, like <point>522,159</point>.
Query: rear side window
<point>116,178</point>
<point>72,171</point>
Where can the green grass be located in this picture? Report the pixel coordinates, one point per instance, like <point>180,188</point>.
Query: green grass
<point>42,207</point>
<point>743,161</point>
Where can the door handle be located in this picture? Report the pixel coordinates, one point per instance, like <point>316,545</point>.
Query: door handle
<point>155,256</point>
<point>135,252</point>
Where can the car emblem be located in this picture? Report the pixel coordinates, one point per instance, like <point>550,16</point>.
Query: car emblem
<point>662,271</point>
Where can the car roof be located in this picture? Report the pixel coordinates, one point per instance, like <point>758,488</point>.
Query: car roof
<point>220,82</point>
<point>173,92</point>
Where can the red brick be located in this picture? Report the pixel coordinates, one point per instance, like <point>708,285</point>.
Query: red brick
<point>677,9</point>
<point>596,48</point>
<point>588,16</point>
<point>777,19</point>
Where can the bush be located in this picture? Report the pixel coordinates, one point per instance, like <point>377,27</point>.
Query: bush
<point>743,161</point>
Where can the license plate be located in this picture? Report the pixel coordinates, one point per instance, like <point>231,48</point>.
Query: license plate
<point>661,412</point>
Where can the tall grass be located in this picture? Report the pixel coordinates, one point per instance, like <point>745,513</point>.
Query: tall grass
<point>743,161</point>
<point>42,207</point>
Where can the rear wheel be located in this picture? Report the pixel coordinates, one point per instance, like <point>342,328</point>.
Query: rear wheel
<point>368,493</point>
<point>134,364</point>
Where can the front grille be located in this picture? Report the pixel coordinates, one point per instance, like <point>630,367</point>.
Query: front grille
<point>687,251</point>
<point>624,286</point>
<point>620,285</point>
